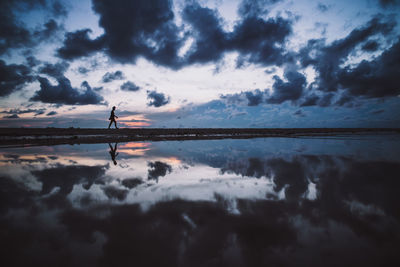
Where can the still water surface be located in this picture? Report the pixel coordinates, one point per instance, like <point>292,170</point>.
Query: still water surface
<point>254,202</point>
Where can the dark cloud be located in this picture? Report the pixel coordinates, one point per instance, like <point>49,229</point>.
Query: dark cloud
<point>13,116</point>
<point>112,76</point>
<point>368,79</point>
<point>291,90</point>
<point>343,100</point>
<point>147,29</point>
<point>158,169</point>
<point>131,182</point>
<point>83,70</point>
<point>379,111</point>
<point>129,86</point>
<point>325,100</point>
<point>261,41</point>
<point>141,28</point>
<point>376,78</point>
<point>210,39</point>
<point>78,44</point>
<point>299,113</point>
<point>64,93</point>
<point>51,113</point>
<point>14,34</point>
<point>310,100</point>
<point>329,58</point>
<point>24,111</point>
<point>65,177</point>
<point>254,98</point>
<point>54,70</point>
<point>86,86</point>
<point>255,8</point>
<point>322,7</point>
<point>113,192</point>
<point>32,61</point>
<point>50,28</point>
<point>157,99</point>
<point>13,77</point>
<point>370,46</point>
<point>389,3</point>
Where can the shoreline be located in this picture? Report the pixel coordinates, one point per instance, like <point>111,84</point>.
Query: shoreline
<point>58,136</point>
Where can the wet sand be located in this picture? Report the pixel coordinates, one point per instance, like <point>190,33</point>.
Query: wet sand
<point>57,136</point>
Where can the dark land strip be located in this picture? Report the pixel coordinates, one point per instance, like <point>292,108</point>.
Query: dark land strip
<point>57,136</point>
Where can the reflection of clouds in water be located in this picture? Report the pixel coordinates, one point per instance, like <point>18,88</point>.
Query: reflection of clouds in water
<point>247,209</point>
<point>134,148</point>
<point>158,169</point>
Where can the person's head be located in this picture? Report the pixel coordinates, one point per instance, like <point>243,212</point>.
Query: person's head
<point>113,107</point>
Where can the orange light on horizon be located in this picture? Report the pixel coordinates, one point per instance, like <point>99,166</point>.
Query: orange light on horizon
<point>134,145</point>
<point>173,160</point>
<point>133,117</point>
<point>134,124</point>
<point>134,152</point>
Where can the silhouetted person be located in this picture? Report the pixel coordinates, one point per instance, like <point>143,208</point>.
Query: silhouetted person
<point>112,118</point>
<point>113,153</point>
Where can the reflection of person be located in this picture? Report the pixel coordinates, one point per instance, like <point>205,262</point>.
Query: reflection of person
<point>113,152</point>
<point>112,118</point>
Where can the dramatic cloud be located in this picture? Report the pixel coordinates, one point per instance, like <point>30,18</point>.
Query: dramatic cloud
<point>86,86</point>
<point>130,86</point>
<point>299,113</point>
<point>56,70</point>
<point>113,192</point>
<point>157,99</point>
<point>329,58</point>
<point>255,8</point>
<point>64,93</point>
<point>148,30</point>
<point>368,79</point>
<point>78,44</point>
<point>254,98</point>
<point>257,40</point>
<point>131,182</point>
<point>13,77</point>
<point>291,90</point>
<point>14,116</point>
<point>261,41</point>
<point>65,177</point>
<point>210,40</point>
<point>83,70</point>
<point>112,76</point>
<point>376,78</point>
<point>51,113</point>
<point>24,111</point>
<point>370,46</point>
<point>141,28</point>
<point>158,169</point>
<point>322,7</point>
<point>389,3</point>
<point>14,34</point>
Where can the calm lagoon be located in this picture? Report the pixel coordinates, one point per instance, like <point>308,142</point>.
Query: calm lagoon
<point>329,201</point>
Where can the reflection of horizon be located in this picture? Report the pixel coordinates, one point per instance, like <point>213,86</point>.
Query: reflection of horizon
<point>135,148</point>
<point>353,218</point>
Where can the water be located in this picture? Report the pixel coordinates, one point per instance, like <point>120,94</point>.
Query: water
<point>254,202</point>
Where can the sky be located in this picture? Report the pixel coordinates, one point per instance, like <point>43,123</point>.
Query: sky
<point>205,63</point>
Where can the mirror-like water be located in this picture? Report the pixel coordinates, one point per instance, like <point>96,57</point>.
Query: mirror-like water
<point>255,202</point>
